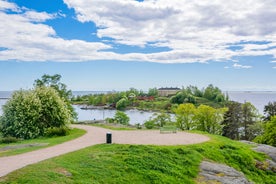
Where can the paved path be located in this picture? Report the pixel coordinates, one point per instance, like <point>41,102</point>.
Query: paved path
<point>96,135</point>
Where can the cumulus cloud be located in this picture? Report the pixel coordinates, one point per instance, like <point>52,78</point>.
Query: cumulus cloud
<point>239,66</point>
<point>193,31</point>
<point>24,37</point>
<point>202,29</point>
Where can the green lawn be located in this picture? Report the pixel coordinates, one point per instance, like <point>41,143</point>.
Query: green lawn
<point>142,164</point>
<point>74,133</point>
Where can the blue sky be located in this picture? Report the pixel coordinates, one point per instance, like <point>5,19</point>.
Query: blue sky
<point>119,44</point>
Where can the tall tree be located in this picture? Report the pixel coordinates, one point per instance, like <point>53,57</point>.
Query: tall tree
<point>270,110</point>
<point>269,135</point>
<point>53,81</point>
<point>209,119</point>
<point>185,114</point>
<point>249,117</point>
<point>232,120</point>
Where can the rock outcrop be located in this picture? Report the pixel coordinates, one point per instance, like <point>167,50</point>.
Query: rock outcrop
<point>213,173</point>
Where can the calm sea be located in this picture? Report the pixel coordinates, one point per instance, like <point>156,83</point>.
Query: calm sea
<point>258,98</point>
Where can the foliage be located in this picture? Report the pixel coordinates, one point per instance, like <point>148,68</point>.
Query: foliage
<point>149,124</point>
<point>53,81</point>
<point>269,135</point>
<point>241,121</point>
<point>232,120</point>
<point>122,104</point>
<point>74,133</point>
<point>121,118</point>
<point>28,114</point>
<point>153,92</point>
<point>143,164</point>
<point>210,96</point>
<point>161,119</point>
<point>8,140</point>
<point>209,119</point>
<point>270,110</point>
<point>249,117</point>
<point>185,116</point>
<point>57,131</point>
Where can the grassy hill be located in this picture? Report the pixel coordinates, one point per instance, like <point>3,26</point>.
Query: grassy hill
<point>143,164</point>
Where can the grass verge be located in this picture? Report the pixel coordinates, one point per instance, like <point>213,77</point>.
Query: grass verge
<point>142,164</point>
<point>74,133</point>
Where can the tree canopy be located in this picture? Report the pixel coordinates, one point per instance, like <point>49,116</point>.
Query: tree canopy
<point>54,82</point>
<point>29,113</point>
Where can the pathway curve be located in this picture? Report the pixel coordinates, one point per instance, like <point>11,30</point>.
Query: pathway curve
<point>96,135</point>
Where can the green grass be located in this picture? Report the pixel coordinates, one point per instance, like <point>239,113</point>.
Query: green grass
<point>74,133</point>
<point>142,164</point>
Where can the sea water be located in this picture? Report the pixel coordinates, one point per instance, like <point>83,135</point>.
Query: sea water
<point>258,99</point>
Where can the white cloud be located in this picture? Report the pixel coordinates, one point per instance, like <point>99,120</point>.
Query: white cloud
<point>38,16</point>
<point>199,28</point>
<point>27,41</point>
<point>194,31</point>
<point>274,67</point>
<point>238,66</point>
<point>5,5</point>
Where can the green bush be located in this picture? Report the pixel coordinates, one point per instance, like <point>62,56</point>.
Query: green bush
<point>57,131</point>
<point>28,114</point>
<point>149,124</point>
<point>8,140</point>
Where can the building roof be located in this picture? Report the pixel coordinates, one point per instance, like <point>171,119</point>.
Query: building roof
<point>171,88</point>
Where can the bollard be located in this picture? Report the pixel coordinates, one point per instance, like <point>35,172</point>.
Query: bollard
<point>108,138</point>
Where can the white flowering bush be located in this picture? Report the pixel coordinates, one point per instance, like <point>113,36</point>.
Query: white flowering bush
<point>29,113</point>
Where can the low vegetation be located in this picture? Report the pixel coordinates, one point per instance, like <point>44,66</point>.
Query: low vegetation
<point>143,164</point>
<point>45,141</point>
<point>151,100</point>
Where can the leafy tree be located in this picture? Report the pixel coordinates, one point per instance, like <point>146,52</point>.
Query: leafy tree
<point>209,119</point>
<point>122,104</point>
<point>270,110</point>
<point>249,117</point>
<point>185,114</point>
<point>153,92</point>
<point>269,135</point>
<point>121,118</point>
<point>161,119</point>
<point>54,82</point>
<point>232,120</point>
<point>28,114</point>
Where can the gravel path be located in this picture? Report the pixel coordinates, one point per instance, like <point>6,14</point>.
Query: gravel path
<point>96,135</point>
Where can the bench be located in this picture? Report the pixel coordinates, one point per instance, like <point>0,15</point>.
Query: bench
<point>168,129</point>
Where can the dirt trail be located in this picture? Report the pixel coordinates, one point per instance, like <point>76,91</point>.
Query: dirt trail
<point>96,135</point>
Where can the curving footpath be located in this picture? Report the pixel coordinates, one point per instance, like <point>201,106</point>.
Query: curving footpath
<point>96,135</point>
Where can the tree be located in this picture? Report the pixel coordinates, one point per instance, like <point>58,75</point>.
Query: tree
<point>249,117</point>
<point>209,119</point>
<point>161,119</point>
<point>270,110</point>
<point>28,114</point>
<point>185,114</point>
<point>232,120</point>
<point>54,82</point>
<point>269,135</point>
<point>122,103</point>
<point>153,92</point>
<point>121,118</point>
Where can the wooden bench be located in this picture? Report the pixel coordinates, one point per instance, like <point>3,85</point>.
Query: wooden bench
<point>168,129</point>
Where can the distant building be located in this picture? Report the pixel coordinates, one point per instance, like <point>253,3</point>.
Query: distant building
<point>167,91</point>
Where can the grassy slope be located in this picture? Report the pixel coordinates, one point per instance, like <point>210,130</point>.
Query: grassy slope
<point>74,133</point>
<point>142,164</point>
